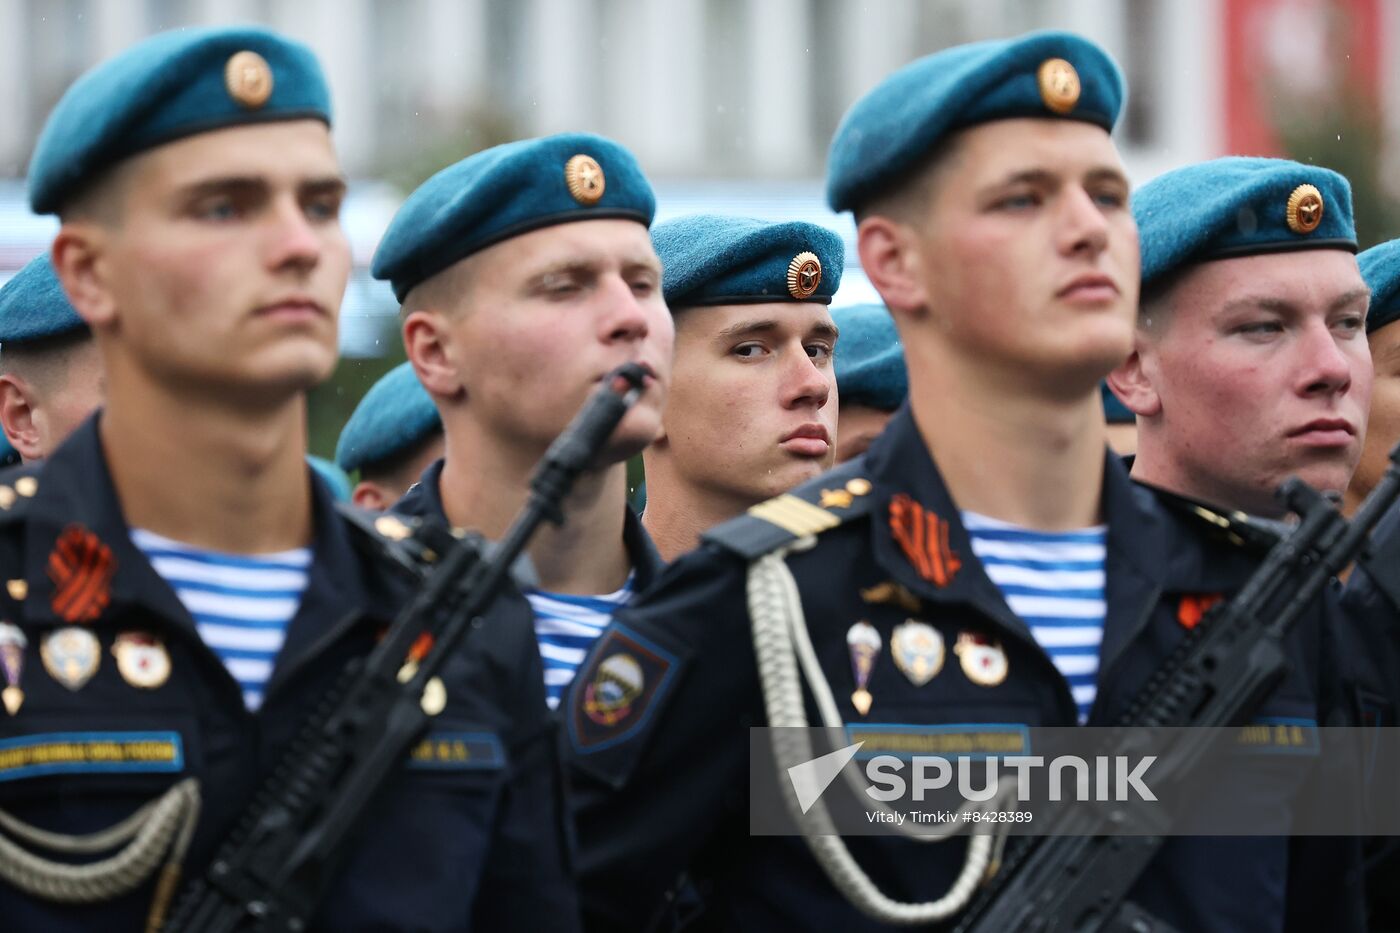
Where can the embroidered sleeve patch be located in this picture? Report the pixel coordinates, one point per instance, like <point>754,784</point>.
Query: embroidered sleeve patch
<point>90,753</point>
<point>457,751</point>
<point>623,680</point>
<point>1280,735</point>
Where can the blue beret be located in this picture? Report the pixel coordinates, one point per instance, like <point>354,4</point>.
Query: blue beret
<point>395,414</point>
<point>869,357</point>
<point>714,260</point>
<point>33,305</point>
<point>172,85</point>
<point>1238,206</point>
<point>503,192</point>
<point>332,475</point>
<point>1380,267</point>
<point>892,129</point>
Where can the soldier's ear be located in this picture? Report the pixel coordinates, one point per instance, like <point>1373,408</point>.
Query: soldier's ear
<point>17,417</point>
<point>1132,382</point>
<point>890,256</point>
<point>425,340</point>
<point>79,255</point>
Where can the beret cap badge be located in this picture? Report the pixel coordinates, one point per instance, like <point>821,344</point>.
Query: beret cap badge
<point>1059,84</point>
<point>804,274</point>
<point>1304,212</point>
<point>584,176</point>
<point>248,78</point>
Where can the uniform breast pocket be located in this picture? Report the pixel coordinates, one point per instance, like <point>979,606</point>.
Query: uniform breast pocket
<point>430,832</point>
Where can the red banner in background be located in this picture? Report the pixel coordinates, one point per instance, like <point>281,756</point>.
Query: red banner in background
<point>1277,50</point>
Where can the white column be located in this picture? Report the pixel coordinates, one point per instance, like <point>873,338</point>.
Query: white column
<point>563,39</point>
<point>779,50</point>
<point>116,24</point>
<point>878,38</point>
<point>218,12</point>
<point>14,86</point>
<point>339,31</point>
<point>452,61</point>
<point>657,79</point>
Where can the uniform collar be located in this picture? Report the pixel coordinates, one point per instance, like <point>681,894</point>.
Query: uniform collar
<point>424,500</point>
<point>75,490</point>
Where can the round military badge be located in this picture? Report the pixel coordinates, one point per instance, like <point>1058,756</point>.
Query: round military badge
<point>616,685</point>
<point>70,655</point>
<point>1059,84</point>
<point>918,651</point>
<point>1304,210</point>
<point>584,176</point>
<point>18,589</point>
<point>141,659</point>
<point>804,275</point>
<point>248,79</point>
<point>434,699</point>
<point>983,659</point>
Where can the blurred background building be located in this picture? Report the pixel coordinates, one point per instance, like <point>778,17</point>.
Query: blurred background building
<point>729,104</point>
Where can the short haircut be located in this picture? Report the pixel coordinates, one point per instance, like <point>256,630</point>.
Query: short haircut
<point>44,363</point>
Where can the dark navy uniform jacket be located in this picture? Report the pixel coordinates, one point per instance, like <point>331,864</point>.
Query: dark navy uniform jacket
<point>424,500</point>
<point>456,841</point>
<point>661,785</point>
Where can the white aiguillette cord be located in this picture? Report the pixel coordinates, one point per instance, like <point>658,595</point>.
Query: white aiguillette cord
<point>781,639</point>
<point>163,826</point>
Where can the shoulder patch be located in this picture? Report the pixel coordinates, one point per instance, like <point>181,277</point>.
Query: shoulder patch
<point>824,503</point>
<point>624,679</point>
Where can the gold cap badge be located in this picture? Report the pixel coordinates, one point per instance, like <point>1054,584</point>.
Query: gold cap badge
<point>584,176</point>
<point>248,79</point>
<point>1304,209</point>
<point>804,275</point>
<point>1059,84</point>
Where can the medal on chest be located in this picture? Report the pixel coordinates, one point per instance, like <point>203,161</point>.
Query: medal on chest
<point>864,643</point>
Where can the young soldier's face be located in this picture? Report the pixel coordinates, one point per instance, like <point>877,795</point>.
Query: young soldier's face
<point>227,264</point>
<point>1029,253</point>
<point>544,316</point>
<point>1260,369</point>
<point>752,406</point>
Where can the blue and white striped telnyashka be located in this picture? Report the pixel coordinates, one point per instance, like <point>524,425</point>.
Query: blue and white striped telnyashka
<point>241,604</point>
<point>566,627</point>
<point>1054,581</point>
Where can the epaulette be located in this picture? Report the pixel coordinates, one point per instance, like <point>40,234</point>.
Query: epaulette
<point>1240,529</point>
<point>819,505</point>
<point>408,542</point>
<point>18,484</point>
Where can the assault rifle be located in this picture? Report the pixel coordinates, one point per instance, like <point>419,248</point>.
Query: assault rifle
<point>1076,878</point>
<point>272,871</point>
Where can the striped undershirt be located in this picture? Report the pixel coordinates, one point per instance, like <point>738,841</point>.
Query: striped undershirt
<point>241,604</point>
<point>1054,581</point>
<point>566,627</point>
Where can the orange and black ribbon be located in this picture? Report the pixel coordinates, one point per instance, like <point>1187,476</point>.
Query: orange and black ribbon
<point>923,537</point>
<point>81,568</point>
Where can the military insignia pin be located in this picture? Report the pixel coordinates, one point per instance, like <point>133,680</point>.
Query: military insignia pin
<point>983,659</point>
<point>804,275</point>
<point>917,649</point>
<point>893,594</point>
<point>141,659</point>
<point>864,643</point>
<point>923,537</point>
<point>1059,84</point>
<point>12,645</point>
<point>585,179</point>
<point>81,568</point>
<point>1304,209</point>
<point>617,684</point>
<point>248,79</point>
<point>70,655</point>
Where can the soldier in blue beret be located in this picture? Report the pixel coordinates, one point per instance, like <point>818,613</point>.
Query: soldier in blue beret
<point>50,373</point>
<point>1251,361</point>
<point>960,577</point>
<point>1380,267</point>
<point>751,411</point>
<point>393,435</point>
<point>870,374</point>
<point>182,586</point>
<point>527,274</point>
